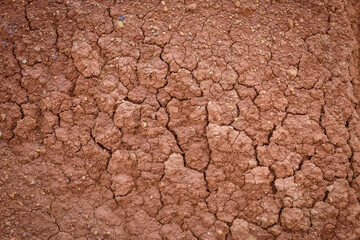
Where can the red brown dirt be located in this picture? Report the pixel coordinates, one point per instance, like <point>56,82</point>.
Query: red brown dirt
<point>174,120</point>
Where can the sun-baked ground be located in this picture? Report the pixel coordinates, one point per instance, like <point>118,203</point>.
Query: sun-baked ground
<point>179,120</point>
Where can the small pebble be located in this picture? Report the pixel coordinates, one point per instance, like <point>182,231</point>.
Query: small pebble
<point>122,18</point>
<point>120,24</point>
<point>293,72</point>
<point>32,183</point>
<point>191,7</point>
<point>24,61</point>
<point>291,23</point>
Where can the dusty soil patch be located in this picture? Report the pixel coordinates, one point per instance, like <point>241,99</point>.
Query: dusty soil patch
<point>179,120</point>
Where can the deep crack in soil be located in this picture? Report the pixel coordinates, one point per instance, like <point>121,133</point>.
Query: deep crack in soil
<point>124,119</point>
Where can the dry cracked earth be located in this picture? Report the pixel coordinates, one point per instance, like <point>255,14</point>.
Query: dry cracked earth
<point>179,119</point>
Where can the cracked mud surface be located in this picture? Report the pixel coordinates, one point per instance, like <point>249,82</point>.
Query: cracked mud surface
<point>174,120</point>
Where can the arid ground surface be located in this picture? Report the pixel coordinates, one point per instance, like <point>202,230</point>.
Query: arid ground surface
<point>179,120</point>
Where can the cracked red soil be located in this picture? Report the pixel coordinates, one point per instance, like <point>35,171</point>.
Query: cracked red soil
<point>180,119</point>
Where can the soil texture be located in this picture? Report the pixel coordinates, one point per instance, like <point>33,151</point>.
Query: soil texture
<point>207,119</point>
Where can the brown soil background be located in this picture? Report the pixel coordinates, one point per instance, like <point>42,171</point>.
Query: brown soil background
<point>184,120</point>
